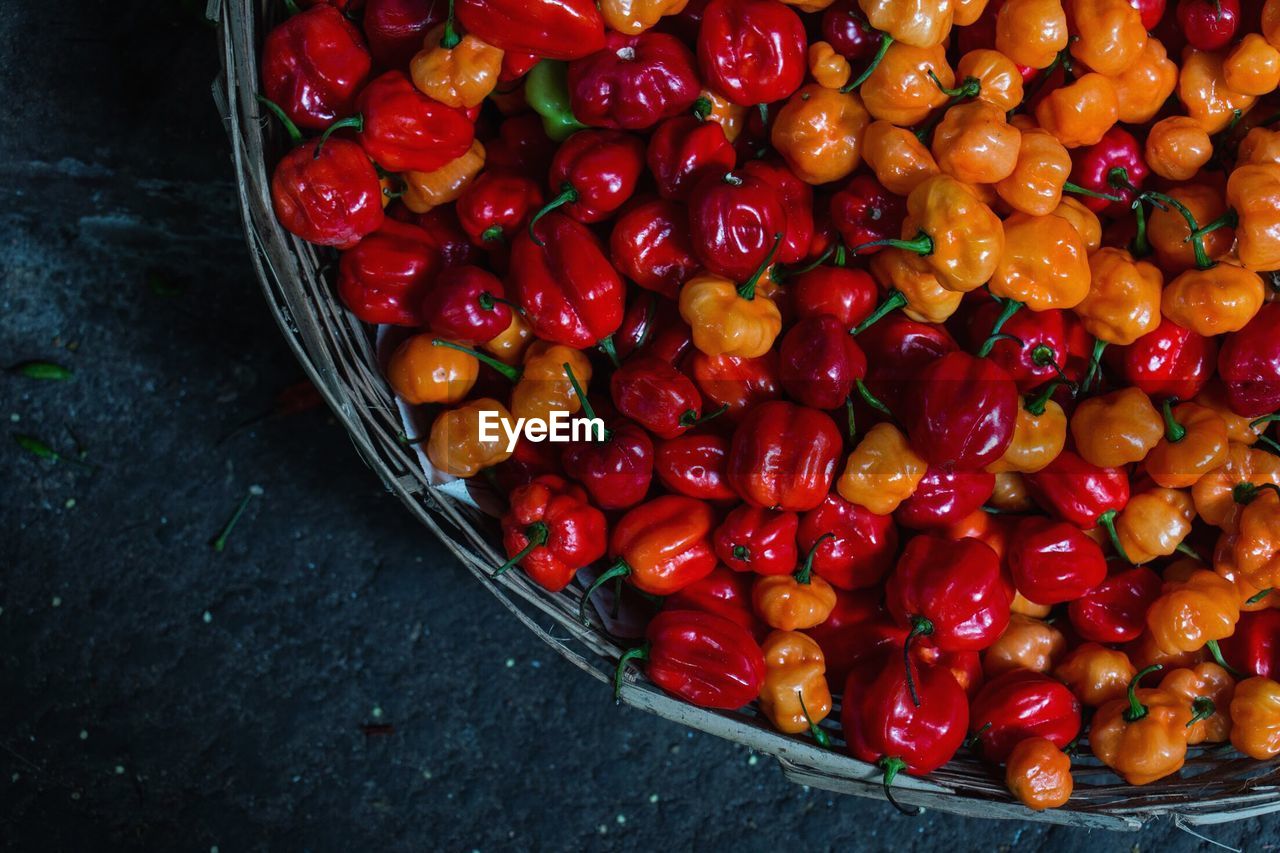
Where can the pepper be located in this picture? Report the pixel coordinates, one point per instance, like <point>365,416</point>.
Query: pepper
<point>1154,523</point>
<point>458,70</point>
<point>828,69</point>
<point>1249,364</point>
<point>1079,113</point>
<point>943,497</point>
<point>1123,301</point>
<point>784,456</point>
<point>794,696</point>
<point>1045,264</point>
<point>456,444</point>
<point>1040,172</point>
<point>694,465</point>
<point>1253,552</point>
<point>543,384</point>
<point>467,304</point>
<point>521,146</point>
<point>1169,232</point>
<point>1255,718</point>
<point>853,548</point>
<point>730,116</point>
<point>882,471</point>
<point>684,149</point>
<point>382,279</point>
<point>655,395</point>
<point>1254,647</point>
<point>723,593</point>
<point>819,362</point>
<point>569,291</point>
<point>1172,361</point>
<point>1115,610</point>
<point>1052,562</point>
<point>738,383</point>
<point>1039,434</point>
<point>818,133</point>
<point>313,65</point>
<point>1027,643</point>
<point>1079,492</point>
<point>848,295</point>
<point>508,347</point>
<point>1110,34</point>
<point>702,658</point>
<point>1206,25</point>
<point>496,205</point>
<point>1253,192</point>
<point>616,470</point>
<point>1096,674</point>
<point>1258,146</point>
<point>730,320</point>
<point>1142,737</point>
<point>1084,220</point>
<point>897,348</point>
<point>845,26</point>
<point>649,244</point>
<point>914,286</point>
<point>1177,147</point>
<point>551,532</point>
<point>1096,169</point>
<point>794,601</point>
<point>1194,443</point>
<point>403,130</point>
<point>1116,429</point>
<point>1033,347</point>
<point>634,82</point>
<point>1207,688</point>
<point>1038,773</point>
<point>992,77</point>
<point>594,173</point>
<point>1145,84</point>
<point>552,29</point>
<point>1021,704</point>
<point>751,539</point>
<point>632,17</point>
<point>420,372</point>
<point>1221,494</point>
<point>964,413</point>
<point>900,162</point>
<point>951,592</point>
<point>425,191</point>
<point>1192,613</point>
<point>546,89</point>
<point>394,28</point>
<point>799,240</point>
<point>734,223</point>
<point>1202,88</point>
<point>922,24</point>
<point>1240,429</point>
<point>973,143</point>
<point>907,84</point>
<point>751,51</point>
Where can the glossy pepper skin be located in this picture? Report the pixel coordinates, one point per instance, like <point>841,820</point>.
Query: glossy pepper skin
<point>784,456</point>
<point>799,237</point>
<point>763,541</point>
<point>403,130</point>
<point>1018,705</point>
<point>455,445</point>
<point>383,278</point>
<point>973,143</point>
<point>617,471</point>
<point>723,593</point>
<point>1095,673</point>
<point>819,362</point>
<point>496,205</point>
<point>1255,718</point>
<point>1213,301</point>
<point>420,372</point>
<point>962,239</point>
<point>943,497</point>
<point>864,211</point>
<point>1190,613</point>
<point>794,601</point>
<point>1204,681</point>
<point>464,305</point>
<point>1040,344</point>
<point>1249,364</point>
<point>650,245</point>
<point>664,544</point>
<point>1116,429</point>
<point>818,133</point>
<point>551,29</point>
<point>1053,562</point>
<point>683,150</point>
<point>633,82</point>
<point>1218,495</point>
<point>964,413</point>
<point>1253,191</point>
<point>882,471</point>
<point>734,222</point>
<point>1195,442</point>
<point>330,199</point>
<point>1253,552</point>
<point>394,28</point>
<point>703,658</point>
<point>1123,301</point>
<point>1078,492</point>
<point>1171,361</point>
<point>655,395</point>
<point>694,465</point>
<point>1045,264</point>
<point>795,695</point>
<point>1254,647</point>
<point>313,65</point>
<point>1038,773</point>
<point>1028,643</point>
<point>1154,523</point>
<point>853,548</point>
<point>458,70</point>
<point>569,291</point>
<point>729,319</point>
<point>1142,737</point>
<point>951,592</point>
<point>551,531</point>
<point>751,51</point>
<point>739,383</point>
<point>594,172</point>
<point>1092,169</point>
<point>1115,610</point>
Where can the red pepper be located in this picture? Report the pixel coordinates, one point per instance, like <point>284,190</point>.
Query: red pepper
<point>653,325</point>
<point>384,277</point>
<point>704,659</point>
<point>313,64</point>
<point>1033,346</point>
<point>467,304</point>
<point>734,222</point>
<point>616,471</point>
<point>859,546</point>
<point>1052,561</point>
<point>515,65</point>
<point>327,194</point>
<point>796,198</point>
<point>898,349</point>
<point>1115,611</point>
<point>863,211</point>
<point>683,150</point>
<point>1020,704</point>
<point>551,29</point>
<point>522,146</point>
<point>569,291</point>
<point>845,28</point>
<point>751,539</point>
<point>951,592</point>
<point>819,362</point>
<point>655,395</point>
<point>529,461</point>
<point>395,28</point>
<point>752,51</point>
<point>964,413</point>
<point>551,532</point>
<point>1170,362</point>
<point>1254,648</point>
<point>850,636</point>
<point>784,456</point>
<point>1080,493</point>
<point>496,205</point>
<point>739,383</point>
<point>443,232</point>
<point>849,295</point>
<point>724,593</point>
<point>403,130</point>
<point>1152,11</point>
<point>594,172</point>
<point>650,245</point>
<point>1208,24</point>
<point>695,465</point>
<point>661,546</point>
<point>1249,364</point>
<point>1093,168</point>
<point>943,497</point>
<point>633,82</point>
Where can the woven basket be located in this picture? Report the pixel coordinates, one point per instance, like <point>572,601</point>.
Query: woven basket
<point>338,354</point>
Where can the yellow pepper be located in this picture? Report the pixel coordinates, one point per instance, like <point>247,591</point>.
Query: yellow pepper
<point>1253,191</point>
<point>901,89</point>
<point>919,288</point>
<point>632,17</point>
<point>1116,429</point>
<point>1222,493</point>
<point>1109,34</point>
<point>1202,88</point>
<point>420,372</point>
<point>1252,67</point>
<point>1145,84</point>
<point>1080,113</point>
<point>456,445</point>
<point>1045,263</point>
<point>1214,301</point>
<point>727,319</point>
<point>828,68</point>
<point>882,471</point>
<point>1194,443</point>
<point>1177,148</point>
<point>1192,613</point>
<point>728,115</point>
<point>973,143</point>
<point>919,23</point>
<point>544,386</point>
<point>1039,434</point>
<point>1042,169</point>
<point>900,161</point>
<point>1084,220</point>
<point>1255,718</point>
<point>1154,523</point>
<point>1031,32</point>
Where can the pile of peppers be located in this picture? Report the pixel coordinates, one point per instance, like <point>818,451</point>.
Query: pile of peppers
<point>936,344</point>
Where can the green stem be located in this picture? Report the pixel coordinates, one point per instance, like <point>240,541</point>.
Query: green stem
<point>493,232</point>
<point>567,195</point>
<point>537,534</point>
<point>45,370</point>
<point>748,288</point>
<point>1173,431</point>
<point>1202,708</point>
<point>1230,219</point>
<point>893,302</point>
<point>356,122</point>
<point>1187,551</point>
<point>823,739</point>
<point>1215,651</point>
<point>1008,307</point>
<point>1137,710</point>
<point>1254,599</point>
<point>691,418</point>
<point>1095,363</point>
<point>783,273</point>
<point>1141,246</point>
<point>220,542</point>
<point>850,419</point>
<point>511,373</point>
<point>764,115</point>
<point>804,574</point>
<point>291,7</point>
<point>920,627</point>
<point>295,135</point>
<point>702,108</point>
<point>582,395</point>
<point>1042,355</point>
<point>619,569</point>
<point>892,766</point>
<point>921,244</point>
<point>970,87</point>
<point>450,38</point>
<point>636,654</point>
<point>1036,405</point>
<point>871,399</point>
<point>606,344</point>
<point>1108,522</point>
<point>885,41</point>
<point>1076,189</point>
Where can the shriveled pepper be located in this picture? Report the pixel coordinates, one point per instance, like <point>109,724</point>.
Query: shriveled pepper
<point>457,445</point>
<point>882,471</point>
<point>1038,773</point>
<point>818,133</point>
<point>1116,429</point>
<point>1154,523</point>
<point>1255,718</point>
<point>1207,688</point>
<point>794,601</point>
<point>703,658</point>
<point>784,456</point>
<point>551,532</point>
<point>1096,674</point>
<point>795,696</point>
<point>1194,443</point>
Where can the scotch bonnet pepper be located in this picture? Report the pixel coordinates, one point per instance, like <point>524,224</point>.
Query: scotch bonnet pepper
<point>784,456</point>
<point>703,658</point>
<point>551,532</point>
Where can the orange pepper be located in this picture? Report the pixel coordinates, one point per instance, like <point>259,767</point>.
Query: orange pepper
<point>544,386</point>
<point>919,23</point>
<point>828,68</point>
<point>1202,88</point>
<point>728,115</point>
<point>1096,674</point>
<point>1259,145</point>
<point>1207,689</point>
<point>1154,523</point>
<point>809,5</point>
<point>1255,718</point>
<point>1190,614</point>
<point>1252,554</point>
<point>1045,263</point>
<point>1110,34</point>
<point>426,190</point>
<point>1222,493</point>
<point>795,601</point>
<point>956,233</point>
<point>1252,67</point>
<point>1142,737</point>
<point>993,77</point>
<point>1145,84</point>
<point>920,289</point>
<point>899,160</point>
<point>1031,32</point>
<point>727,319</point>
<point>1271,22</point>
<point>456,71</point>
<point>1214,301</point>
<point>1240,429</point>
<point>1194,443</point>
<point>968,11</point>
<point>1116,429</point>
<point>1039,774</point>
<point>973,143</point>
<point>882,471</point>
<point>1080,113</point>
<point>1084,220</point>
<point>632,17</point>
<point>795,695</point>
<point>1145,652</point>
<point>1039,434</point>
<point>1177,147</point>
<point>420,372</point>
<point>508,346</point>
<point>818,133</point>
<point>1123,302</point>
<point>1168,231</point>
<point>456,445</point>
<point>1027,608</point>
<point>1043,167</point>
<point>900,89</point>
<point>1026,644</point>
<point>1010,494</point>
<point>1253,191</point>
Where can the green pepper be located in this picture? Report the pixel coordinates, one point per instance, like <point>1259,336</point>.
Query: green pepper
<point>547,91</point>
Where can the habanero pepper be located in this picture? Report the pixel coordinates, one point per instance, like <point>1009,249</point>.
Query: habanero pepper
<point>1044,265</point>
<point>1115,610</point>
<point>751,51</point>
<point>703,658</point>
<point>1153,524</point>
<point>1040,172</point>
<point>794,601</point>
<point>1194,443</point>
<point>456,69</point>
<point>551,29</point>
<point>1177,147</point>
<point>313,65</point>
<point>1028,643</point>
<point>763,541</point>
<point>1040,345</point>
<point>1221,494</point>
<point>818,133</point>
<point>1079,113</point>
<point>383,278</point>
<point>617,470</point>
<point>1222,298</point>
<point>734,223</point>
<point>738,383</point>
<point>964,413</point>
<point>633,17</point>
<point>1038,773</point>
<point>1031,32</point>
<point>1020,704</point>
<point>1254,647</point>
<point>1249,364</point>
<point>1252,553</point>
<point>819,362</point>
<point>1202,88</point>
<point>1143,87</point>
<point>420,372</point>
<point>729,319</point>
<point>1052,562</point>
<point>1142,737</point>
<point>1255,718</point>
<point>683,150</point>
<point>456,445</point>
<point>426,191</point>
<point>882,471</point>
<point>467,303</point>
<point>848,295</point>
<point>1193,613</point>
<point>796,199</point>
<point>923,23</point>
<point>951,592</point>
<point>394,28</point>
<point>1093,168</point>
<point>784,456</point>
<point>973,143</point>
<point>1116,429</point>
<point>1095,673</point>
<point>795,696</point>
<point>694,465</point>
<point>403,130</point>
<point>594,172</point>
<point>906,85</point>
<point>551,532</point>
<point>1172,361</point>
<point>853,548</point>
<point>1039,435</point>
<point>1080,493</point>
<point>633,82</point>
<point>943,497</point>
<point>655,395</point>
<point>900,163</point>
<point>496,205</point>
<point>1207,688</point>
<point>1123,301</point>
<point>650,245</point>
<point>724,593</point>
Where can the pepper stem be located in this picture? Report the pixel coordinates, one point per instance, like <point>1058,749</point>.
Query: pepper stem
<point>567,195</point>
<point>1076,189</point>
<point>537,534</point>
<point>1230,219</point>
<point>1107,520</point>
<point>606,346</point>
<point>582,396</point>
<point>895,300</point>
<point>1254,599</point>
<point>493,232</point>
<point>1215,651</point>
<point>1041,355</point>
<point>970,87</point>
<point>1137,710</point>
<point>921,244</point>
<point>449,40</point>
<point>702,108</point>
<point>1095,363</point>
<point>871,399</point>
<point>885,41</point>
<point>782,273</point>
<point>1187,551</point>
<point>892,766</point>
<point>295,135</point>
<point>1008,307</point>
<point>804,574</point>
<point>850,419</point>
<point>1173,431</point>
<point>356,122</point>
<point>638,654</point>
<point>748,288</point>
<point>511,373</point>
<point>823,739</point>
<point>619,569</point>
<point>1036,405</point>
<point>691,419</point>
<point>1202,708</point>
<point>920,627</point>
<point>1141,248</point>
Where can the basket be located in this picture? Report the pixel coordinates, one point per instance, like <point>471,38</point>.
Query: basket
<point>338,354</point>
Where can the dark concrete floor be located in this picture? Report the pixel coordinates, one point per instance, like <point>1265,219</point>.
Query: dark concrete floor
<point>157,695</point>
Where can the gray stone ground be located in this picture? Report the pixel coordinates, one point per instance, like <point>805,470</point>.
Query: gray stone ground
<point>156,695</point>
